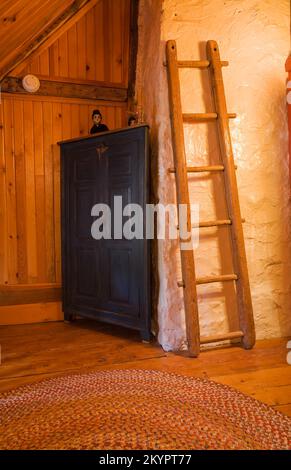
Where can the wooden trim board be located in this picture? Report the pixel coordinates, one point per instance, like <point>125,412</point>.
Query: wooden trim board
<point>29,293</point>
<point>66,90</point>
<point>31,313</point>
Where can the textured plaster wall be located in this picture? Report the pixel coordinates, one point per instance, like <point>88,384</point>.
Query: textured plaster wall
<point>254,37</point>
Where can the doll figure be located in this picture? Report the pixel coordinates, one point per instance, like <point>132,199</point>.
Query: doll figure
<point>97,124</point>
<point>132,121</point>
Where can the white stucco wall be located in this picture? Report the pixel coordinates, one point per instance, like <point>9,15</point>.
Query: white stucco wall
<point>254,37</point>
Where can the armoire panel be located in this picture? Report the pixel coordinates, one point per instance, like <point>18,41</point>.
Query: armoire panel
<point>107,279</point>
<point>84,201</point>
<point>119,275</point>
<point>87,285</point>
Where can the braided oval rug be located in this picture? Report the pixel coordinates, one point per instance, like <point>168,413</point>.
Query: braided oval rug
<point>137,409</point>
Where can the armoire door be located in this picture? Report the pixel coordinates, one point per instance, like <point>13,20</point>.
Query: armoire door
<point>106,279</point>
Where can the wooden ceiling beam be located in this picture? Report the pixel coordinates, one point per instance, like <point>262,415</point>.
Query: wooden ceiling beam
<point>67,90</point>
<point>47,37</point>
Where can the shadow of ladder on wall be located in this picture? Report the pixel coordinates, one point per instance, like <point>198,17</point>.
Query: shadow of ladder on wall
<point>240,277</point>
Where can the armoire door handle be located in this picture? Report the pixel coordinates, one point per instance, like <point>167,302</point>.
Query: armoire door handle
<point>102,147</point>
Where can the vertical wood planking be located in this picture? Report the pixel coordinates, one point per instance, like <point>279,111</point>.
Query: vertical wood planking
<point>49,194</point>
<point>34,66</point>
<point>38,137</point>
<point>29,159</point>
<point>99,41</point>
<point>28,70</point>
<point>84,118</point>
<point>125,25</point>
<point>40,229</point>
<point>75,120</point>
<point>110,118</point>
<point>67,123</point>
<point>20,181</point>
<point>72,60</point>
<point>54,59</point>
<point>44,63</point>
<point>107,37</point>
<point>39,189</point>
<point>57,136</point>
<point>90,46</point>
<point>31,239</point>
<point>63,56</point>
<point>3,202</point>
<point>119,118</point>
<point>10,191</point>
<point>81,48</point>
<point>116,34</point>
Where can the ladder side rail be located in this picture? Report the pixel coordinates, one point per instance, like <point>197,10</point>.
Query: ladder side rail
<point>245,309</point>
<point>182,190</point>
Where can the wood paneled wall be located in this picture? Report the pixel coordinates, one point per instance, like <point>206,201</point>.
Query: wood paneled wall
<point>94,49</point>
<point>30,180</point>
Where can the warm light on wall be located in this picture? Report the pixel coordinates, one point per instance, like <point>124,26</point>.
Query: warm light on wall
<point>288,69</point>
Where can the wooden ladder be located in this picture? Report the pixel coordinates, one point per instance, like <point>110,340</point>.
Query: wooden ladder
<point>234,221</point>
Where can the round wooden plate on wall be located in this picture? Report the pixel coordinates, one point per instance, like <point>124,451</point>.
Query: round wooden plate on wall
<point>30,83</point>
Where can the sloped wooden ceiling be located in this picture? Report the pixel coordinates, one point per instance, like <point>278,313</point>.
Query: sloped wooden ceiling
<point>22,23</point>
<point>94,48</point>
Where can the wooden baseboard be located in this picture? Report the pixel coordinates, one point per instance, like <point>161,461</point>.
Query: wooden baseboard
<point>29,293</point>
<point>31,313</point>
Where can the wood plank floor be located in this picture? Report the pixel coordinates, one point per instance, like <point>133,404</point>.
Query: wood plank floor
<point>33,352</point>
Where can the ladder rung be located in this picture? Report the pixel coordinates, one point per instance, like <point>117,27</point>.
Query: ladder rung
<point>212,279</point>
<point>198,64</point>
<point>222,337</point>
<point>212,223</point>
<point>215,223</point>
<point>193,64</point>
<point>199,117</point>
<point>200,169</point>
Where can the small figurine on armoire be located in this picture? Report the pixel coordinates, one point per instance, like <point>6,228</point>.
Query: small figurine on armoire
<point>97,124</point>
<point>132,121</point>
